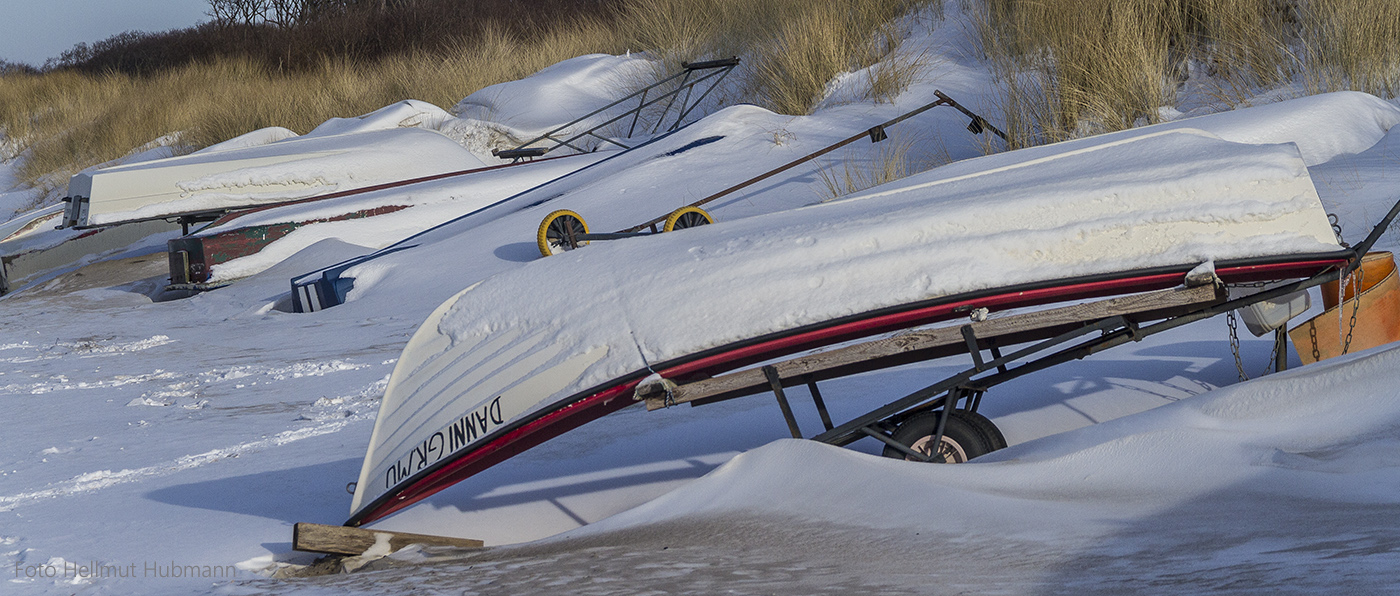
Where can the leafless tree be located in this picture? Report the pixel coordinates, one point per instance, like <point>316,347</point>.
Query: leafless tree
<point>238,12</point>
<point>286,13</point>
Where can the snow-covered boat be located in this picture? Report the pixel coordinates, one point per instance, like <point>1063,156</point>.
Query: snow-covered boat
<point>326,287</point>
<point>30,247</point>
<point>526,355</point>
<point>195,257</point>
<point>216,181</point>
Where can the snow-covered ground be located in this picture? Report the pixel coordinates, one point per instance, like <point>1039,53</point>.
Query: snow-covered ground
<point>186,437</point>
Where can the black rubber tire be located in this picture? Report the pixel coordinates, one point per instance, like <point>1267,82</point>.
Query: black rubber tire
<point>995,439</point>
<point>962,438</point>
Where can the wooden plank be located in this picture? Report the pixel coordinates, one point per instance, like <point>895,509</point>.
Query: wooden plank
<point>903,348</point>
<point>344,540</point>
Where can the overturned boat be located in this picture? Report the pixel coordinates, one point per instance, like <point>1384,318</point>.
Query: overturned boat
<point>519,358</point>
<point>31,249</point>
<point>207,184</point>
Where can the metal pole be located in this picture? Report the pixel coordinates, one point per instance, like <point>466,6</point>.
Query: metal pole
<point>638,114</point>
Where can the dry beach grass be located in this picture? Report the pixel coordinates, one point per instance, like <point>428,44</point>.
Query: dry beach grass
<point>1067,68</point>
<point>1079,67</point>
<point>61,122</point>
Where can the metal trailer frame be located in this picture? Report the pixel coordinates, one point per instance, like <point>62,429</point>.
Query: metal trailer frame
<point>1047,329</point>
<point>571,239</point>
<point>1050,329</point>
<point>875,133</point>
<point>718,70</point>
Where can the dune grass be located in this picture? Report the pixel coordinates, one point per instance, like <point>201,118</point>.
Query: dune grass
<point>1069,68</point>
<point>890,161</point>
<point>1353,44</point>
<point>1066,68</point>
<point>61,122</point>
<point>791,48</point>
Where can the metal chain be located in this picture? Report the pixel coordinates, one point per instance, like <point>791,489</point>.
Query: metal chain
<point>1312,334</point>
<point>1235,344</point>
<point>1235,337</point>
<point>1341,305</point>
<point>1337,229</point>
<point>1355,306</point>
<point>1273,357</point>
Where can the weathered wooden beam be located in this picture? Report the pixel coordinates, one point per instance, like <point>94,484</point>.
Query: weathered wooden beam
<point>344,540</point>
<point>916,345</point>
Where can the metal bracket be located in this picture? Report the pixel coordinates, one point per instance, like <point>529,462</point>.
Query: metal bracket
<point>777,384</point>
<point>817,401</point>
<point>971,339</point>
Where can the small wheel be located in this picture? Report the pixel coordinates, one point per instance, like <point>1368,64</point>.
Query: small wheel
<point>962,439</point>
<point>556,231</point>
<point>686,217</point>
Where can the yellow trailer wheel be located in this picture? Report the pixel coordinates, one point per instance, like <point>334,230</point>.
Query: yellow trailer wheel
<point>686,217</point>
<point>558,231</point>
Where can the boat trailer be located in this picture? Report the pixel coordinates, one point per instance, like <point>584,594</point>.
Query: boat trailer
<point>565,230</point>
<point>944,413</point>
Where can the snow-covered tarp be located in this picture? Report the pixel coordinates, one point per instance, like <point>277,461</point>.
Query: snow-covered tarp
<point>505,349</point>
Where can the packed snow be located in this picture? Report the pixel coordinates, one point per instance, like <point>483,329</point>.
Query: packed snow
<point>168,447</point>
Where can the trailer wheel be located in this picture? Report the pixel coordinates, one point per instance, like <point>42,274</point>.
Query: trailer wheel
<point>686,217</point>
<point>556,229</point>
<point>995,439</point>
<point>962,439</point>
